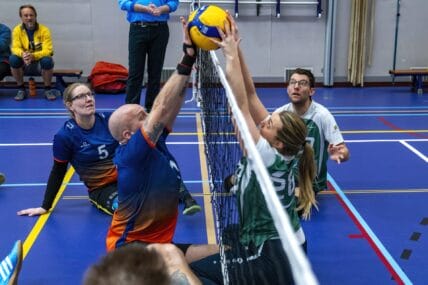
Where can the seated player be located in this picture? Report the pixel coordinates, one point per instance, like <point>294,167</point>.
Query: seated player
<point>136,263</point>
<point>32,52</point>
<point>259,257</point>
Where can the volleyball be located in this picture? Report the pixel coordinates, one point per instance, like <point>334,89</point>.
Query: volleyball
<point>203,23</point>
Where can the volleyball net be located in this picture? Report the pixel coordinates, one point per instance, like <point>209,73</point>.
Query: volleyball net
<point>219,112</point>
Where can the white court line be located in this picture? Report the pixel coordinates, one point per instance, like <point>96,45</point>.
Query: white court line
<point>232,142</point>
<point>386,140</point>
<point>50,144</point>
<point>25,144</point>
<point>414,150</point>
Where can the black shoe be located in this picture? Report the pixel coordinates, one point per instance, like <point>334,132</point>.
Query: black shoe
<point>191,207</point>
<point>229,182</point>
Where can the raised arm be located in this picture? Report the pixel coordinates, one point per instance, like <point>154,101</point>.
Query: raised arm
<point>234,73</point>
<point>257,109</point>
<point>168,103</point>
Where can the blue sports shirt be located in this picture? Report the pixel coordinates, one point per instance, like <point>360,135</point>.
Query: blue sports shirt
<point>90,152</point>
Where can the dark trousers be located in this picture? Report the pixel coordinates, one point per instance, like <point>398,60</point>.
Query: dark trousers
<point>271,267</point>
<point>150,41</point>
<point>4,70</point>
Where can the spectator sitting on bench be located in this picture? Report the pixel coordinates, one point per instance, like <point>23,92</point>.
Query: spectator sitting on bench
<point>32,52</point>
<point>4,51</point>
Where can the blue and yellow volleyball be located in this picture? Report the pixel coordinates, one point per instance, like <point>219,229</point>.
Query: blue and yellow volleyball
<point>203,23</point>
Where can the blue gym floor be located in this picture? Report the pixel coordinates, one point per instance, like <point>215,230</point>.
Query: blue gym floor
<point>371,227</point>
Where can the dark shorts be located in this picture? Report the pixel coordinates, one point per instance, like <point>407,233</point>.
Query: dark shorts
<point>247,267</point>
<point>181,246</point>
<point>104,198</point>
<point>4,69</point>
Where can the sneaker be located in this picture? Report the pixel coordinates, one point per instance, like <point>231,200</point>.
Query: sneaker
<point>2,178</point>
<point>21,95</point>
<point>191,207</point>
<point>50,95</point>
<point>11,265</point>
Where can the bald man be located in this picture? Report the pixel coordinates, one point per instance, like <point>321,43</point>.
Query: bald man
<point>148,175</point>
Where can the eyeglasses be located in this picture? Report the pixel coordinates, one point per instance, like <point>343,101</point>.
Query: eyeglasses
<point>83,96</point>
<point>300,83</point>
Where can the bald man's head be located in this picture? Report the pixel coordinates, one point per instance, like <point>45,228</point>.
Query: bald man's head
<point>125,121</point>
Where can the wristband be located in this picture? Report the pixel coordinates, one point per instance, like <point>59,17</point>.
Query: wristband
<point>186,46</point>
<point>185,66</point>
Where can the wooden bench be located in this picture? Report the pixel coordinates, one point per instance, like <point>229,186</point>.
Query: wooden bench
<point>416,74</point>
<point>59,74</point>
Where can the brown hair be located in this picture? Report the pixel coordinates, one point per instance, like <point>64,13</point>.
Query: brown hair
<point>293,135</point>
<point>67,95</point>
<point>27,6</point>
<point>130,264</point>
<point>306,72</point>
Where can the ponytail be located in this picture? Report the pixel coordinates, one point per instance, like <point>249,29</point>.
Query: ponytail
<point>306,177</point>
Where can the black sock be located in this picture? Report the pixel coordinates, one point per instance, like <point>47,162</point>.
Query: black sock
<point>48,87</point>
<point>21,87</point>
<point>183,193</point>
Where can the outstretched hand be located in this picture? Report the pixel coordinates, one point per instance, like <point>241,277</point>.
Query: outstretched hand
<point>32,212</point>
<point>230,38</point>
<point>188,46</point>
<point>337,152</point>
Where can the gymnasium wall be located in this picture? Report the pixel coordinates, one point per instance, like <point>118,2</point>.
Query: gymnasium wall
<point>86,31</point>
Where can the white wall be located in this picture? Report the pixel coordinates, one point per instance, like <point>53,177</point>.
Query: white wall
<point>86,31</point>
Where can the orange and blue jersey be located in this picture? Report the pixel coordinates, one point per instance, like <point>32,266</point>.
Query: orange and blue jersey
<point>90,152</point>
<point>148,184</point>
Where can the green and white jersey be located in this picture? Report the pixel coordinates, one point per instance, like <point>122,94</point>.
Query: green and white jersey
<point>256,221</point>
<point>322,131</point>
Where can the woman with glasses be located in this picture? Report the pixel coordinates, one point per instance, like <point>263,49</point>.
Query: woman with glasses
<point>85,142</point>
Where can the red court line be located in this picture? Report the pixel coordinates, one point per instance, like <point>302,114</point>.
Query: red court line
<point>394,127</point>
<point>367,237</point>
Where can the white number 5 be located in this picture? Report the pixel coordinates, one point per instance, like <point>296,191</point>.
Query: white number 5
<point>103,153</point>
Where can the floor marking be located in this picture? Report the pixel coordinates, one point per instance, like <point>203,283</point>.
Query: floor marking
<point>209,217</point>
<point>415,151</point>
<point>415,236</point>
<point>375,191</point>
<point>41,221</point>
<point>384,132</point>
<point>373,240</point>
<point>235,142</point>
<point>397,128</point>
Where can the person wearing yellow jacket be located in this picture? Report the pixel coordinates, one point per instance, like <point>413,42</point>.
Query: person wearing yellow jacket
<point>32,52</point>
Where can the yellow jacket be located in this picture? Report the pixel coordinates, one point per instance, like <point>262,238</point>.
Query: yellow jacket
<point>42,41</point>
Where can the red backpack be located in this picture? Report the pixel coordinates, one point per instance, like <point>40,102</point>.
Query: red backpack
<point>107,77</point>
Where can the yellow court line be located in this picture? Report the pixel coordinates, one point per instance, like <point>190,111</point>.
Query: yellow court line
<point>41,221</point>
<point>209,218</point>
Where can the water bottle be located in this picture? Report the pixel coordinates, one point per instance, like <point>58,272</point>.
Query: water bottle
<point>32,87</point>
